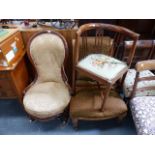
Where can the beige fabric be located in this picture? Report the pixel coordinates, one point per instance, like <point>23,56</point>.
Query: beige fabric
<point>49,96</point>
<point>48,53</point>
<point>87,104</point>
<point>46,99</point>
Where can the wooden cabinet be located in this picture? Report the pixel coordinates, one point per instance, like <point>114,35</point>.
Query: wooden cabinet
<point>13,71</point>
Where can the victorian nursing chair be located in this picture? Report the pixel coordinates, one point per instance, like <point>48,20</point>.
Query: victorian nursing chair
<point>95,58</point>
<point>48,95</point>
<point>144,50</point>
<point>143,106</point>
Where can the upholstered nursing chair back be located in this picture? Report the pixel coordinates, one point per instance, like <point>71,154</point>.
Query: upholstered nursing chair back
<point>47,52</point>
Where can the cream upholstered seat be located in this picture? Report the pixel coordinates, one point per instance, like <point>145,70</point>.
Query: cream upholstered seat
<point>46,99</point>
<point>48,96</point>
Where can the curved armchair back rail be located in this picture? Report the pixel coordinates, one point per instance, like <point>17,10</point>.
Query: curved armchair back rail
<point>145,65</point>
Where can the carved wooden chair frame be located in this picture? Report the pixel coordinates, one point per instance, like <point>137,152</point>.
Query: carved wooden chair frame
<point>120,33</point>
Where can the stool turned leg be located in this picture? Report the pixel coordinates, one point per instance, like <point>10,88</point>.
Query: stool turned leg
<point>66,116</point>
<point>121,117</point>
<point>75,122</point>
<point>31,119</point>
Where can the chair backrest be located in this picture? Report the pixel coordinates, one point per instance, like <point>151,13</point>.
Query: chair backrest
<point>105,38</point>
<point>47,52</point>
<point>145,49</point>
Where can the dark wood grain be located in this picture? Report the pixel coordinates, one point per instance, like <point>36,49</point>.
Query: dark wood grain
<point>15,75</point>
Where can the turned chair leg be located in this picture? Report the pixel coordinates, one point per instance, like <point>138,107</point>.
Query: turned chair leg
<point>121,117</point>
<point>31,119</point>
<point>65,116</point>
<point>75,123</point>
<point>74,82</point>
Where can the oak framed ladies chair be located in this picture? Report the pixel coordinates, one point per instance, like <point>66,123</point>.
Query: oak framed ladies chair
<point>97,50</point>
<point>48,95</point>
<point>143,106</point>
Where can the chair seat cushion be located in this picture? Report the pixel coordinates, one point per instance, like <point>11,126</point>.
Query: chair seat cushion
<point>47,99</point>
<point>103,66</point>
<point>87,104</point>
<point>143,112</point>
<point>129,82</point>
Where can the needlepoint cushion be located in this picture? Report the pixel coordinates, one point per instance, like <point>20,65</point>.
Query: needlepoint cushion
<point>102,65</point>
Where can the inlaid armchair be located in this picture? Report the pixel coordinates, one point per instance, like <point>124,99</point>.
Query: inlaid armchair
<point>145,49</point>
<point>97,38</point>
<point>48,95</point>
<point>143,106</point>
<point>98,70</point>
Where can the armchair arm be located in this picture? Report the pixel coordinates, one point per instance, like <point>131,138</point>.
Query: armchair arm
<point>140,66</point>
<point>145,65</point>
